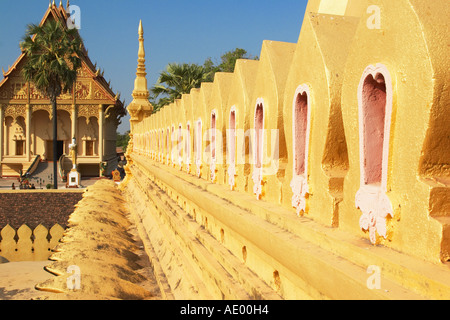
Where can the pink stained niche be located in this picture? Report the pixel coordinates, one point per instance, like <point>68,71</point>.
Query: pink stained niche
<point>374,113</point>
<point>375,109</point>
<point>161,145</point>
<point>180,146</point>
<point>198,146</point>
<point>300,130</point>
<point>172,139</point>
<point>259,117</point>
<point>232,149</point>
<point>167,146</point>
<point>300,125</point>
<point>232,137</point>
<point>188,147</point>
<point>259,130</point>
<point>212,166</point>
<point>213,136</point>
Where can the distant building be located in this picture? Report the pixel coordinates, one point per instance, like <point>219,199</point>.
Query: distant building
<point>90,113</point>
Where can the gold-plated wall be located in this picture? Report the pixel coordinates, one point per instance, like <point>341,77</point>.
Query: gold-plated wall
<point>328,62</point>
<point>355,64</point>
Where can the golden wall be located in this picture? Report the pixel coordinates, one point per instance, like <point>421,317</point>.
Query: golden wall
<point>355,139</point>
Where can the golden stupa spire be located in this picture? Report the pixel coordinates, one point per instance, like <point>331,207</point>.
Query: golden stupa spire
<point>140,84</point>
<point>140,106</point>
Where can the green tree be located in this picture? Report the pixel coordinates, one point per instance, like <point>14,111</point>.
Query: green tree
<point>52,59</point>
<point>122,140</point>
<point>227,62</point>
<point>175,81</point>
<point>179,79</point>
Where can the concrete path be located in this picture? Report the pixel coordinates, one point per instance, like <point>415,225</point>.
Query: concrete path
<point>17,279</point>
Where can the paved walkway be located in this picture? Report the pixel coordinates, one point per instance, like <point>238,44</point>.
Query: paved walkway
<point>17,279</point>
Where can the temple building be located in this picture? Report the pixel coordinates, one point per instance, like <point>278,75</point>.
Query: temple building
<point>90,113</point>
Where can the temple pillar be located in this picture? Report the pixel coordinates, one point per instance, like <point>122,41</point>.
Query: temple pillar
<point>101,119</point>
<point>2,116</point>
<point>74,121</point>
<point>28,132</point>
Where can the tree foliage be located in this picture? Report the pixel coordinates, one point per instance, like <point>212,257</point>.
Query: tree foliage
<point>179,79</point>
<point>122,140</point>
<point>175,81</point>
<point>227,63</point>
<point>52,60</point>
<point>53,57</point>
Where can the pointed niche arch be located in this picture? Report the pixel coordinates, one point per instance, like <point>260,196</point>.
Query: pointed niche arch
<point>301,127</point>
<point>375,110</point>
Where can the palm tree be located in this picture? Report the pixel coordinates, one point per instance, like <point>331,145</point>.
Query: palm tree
<point>53,57</point>
<point>179,79</point>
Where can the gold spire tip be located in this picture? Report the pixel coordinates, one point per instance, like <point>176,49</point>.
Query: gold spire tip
<point>141,29</point>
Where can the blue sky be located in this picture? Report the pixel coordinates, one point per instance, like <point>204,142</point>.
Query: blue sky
<point>175,31</point>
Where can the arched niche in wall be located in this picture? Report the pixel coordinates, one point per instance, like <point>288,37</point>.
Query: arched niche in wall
<point>180,146</point>
<point>301,127</point>
<point>258,148</point>
<point>198,147</point>
<point>172,147</point>
<point>213,146</point>
<point>374,109</point>
<point>161,145</point>
<point>188,153</point>
<point>168,146</point>
<point>232,148</point>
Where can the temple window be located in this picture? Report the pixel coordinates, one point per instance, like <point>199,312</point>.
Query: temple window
<point>20,147</point>
<point>89,148</point>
